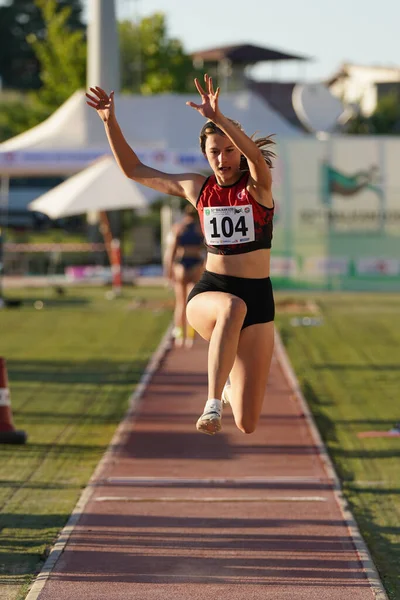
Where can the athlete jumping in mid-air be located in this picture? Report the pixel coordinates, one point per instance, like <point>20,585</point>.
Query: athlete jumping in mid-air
<point>232,306</point>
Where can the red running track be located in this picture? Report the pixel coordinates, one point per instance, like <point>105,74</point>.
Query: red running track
<point>177,515</point>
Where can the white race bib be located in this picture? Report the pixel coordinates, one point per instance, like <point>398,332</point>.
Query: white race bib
<point>228,225</point>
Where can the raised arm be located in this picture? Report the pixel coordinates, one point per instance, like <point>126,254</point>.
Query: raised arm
<point>260,180</point>
<point>184,185</point>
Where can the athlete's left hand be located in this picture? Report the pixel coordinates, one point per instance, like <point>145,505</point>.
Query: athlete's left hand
<point>209,106</point>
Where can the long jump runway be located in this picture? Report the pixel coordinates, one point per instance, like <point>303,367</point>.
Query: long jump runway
<point>178,515</point>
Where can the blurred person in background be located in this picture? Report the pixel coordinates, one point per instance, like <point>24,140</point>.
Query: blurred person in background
<point>232,306</point>
<point>183,266</point>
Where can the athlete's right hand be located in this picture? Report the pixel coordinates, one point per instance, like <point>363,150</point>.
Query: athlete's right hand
<point>102,102</point>
<point>209,100</point>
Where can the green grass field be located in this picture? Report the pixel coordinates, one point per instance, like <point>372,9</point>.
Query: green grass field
<point>349,371</point>
<point>73,364</point>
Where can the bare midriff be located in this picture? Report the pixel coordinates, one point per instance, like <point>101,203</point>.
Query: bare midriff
<point>252,265</point>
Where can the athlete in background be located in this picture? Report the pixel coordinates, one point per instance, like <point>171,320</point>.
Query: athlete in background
<point>183,266</point>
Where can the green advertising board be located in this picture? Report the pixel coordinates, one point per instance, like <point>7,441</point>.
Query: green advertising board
<point>337,222</point>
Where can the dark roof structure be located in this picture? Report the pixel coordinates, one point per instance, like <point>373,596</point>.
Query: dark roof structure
<point>278,95</point>
<point>245,54</point>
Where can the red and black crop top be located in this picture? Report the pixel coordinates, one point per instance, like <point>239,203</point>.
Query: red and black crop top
<point>231,220</point>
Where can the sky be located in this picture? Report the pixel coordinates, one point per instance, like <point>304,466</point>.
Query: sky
<point>359,31</point>
<point>330,33</point>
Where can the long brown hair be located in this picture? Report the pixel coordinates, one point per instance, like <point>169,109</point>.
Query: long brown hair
<point>209,128</point>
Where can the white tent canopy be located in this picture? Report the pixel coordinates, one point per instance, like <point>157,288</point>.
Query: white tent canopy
<point>101,186</point>
<point>161,121</point>
<point>74,136</point>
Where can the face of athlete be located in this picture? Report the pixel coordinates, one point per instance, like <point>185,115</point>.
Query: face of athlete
<point>223,157</point>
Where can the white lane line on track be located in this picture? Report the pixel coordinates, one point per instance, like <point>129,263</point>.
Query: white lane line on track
<point>117,440</point>
<point>361,547</point>
<point>211,499</point>
<point>212,480</point>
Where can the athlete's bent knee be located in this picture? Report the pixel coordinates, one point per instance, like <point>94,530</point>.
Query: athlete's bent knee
<point>234,308</point>
<point>247,425</point>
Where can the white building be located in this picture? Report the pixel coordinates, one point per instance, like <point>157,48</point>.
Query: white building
<point>364,85</point>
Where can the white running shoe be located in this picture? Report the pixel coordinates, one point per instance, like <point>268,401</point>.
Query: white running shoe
<point>210,420</point>
<point>225,396</point>
<point>177,334</point>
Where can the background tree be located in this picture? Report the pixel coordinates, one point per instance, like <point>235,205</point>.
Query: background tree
<point>19,66</point>
<point>385,120</point>
<point>19,113</point>
<point>61,54</point>
<point>151,62</point>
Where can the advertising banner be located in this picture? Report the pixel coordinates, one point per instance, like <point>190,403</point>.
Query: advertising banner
<point>338,213</point>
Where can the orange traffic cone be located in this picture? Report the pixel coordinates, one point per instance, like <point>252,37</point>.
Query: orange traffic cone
<point>8,433</point>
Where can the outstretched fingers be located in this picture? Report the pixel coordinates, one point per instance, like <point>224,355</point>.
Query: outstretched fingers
<point>99,97</point>
<point>199,88</point>
<point>99,93</point>
<point>102,94</point>
<point>96,92</point>
<point>92,100</point>
<point>209,83</point>
<point>193,105</point>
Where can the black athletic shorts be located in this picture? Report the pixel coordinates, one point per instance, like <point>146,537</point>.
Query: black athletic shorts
<point>188,262</point>
<point>256,293</point>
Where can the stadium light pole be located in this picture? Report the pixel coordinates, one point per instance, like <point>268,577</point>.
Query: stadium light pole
<point>103,65</point>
